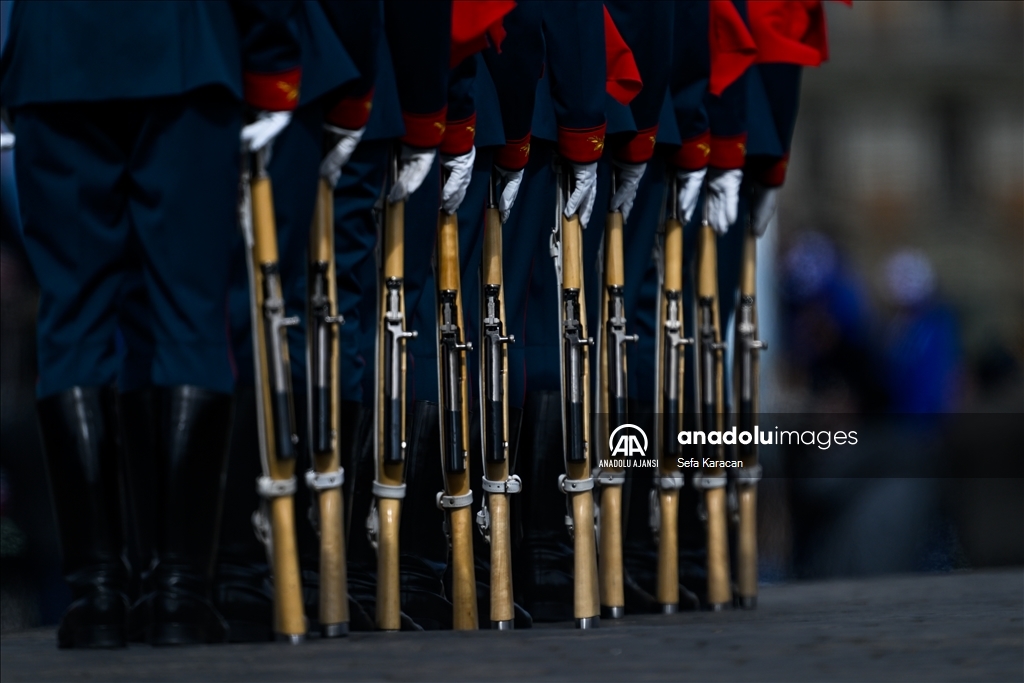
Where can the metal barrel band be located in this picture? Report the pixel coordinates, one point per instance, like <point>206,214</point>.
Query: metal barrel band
<point>446,502</point>
<point>388,491</point>
<point>267,487</point>
<point>323,481</point>
<point>567,485</point>
<point>511,485</point>
<point>703,482</point>
<point>609,478</point>
<point>671,482</point>
<point>747,476</point>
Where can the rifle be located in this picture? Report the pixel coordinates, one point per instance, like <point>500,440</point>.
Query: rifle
<point>457,496</point>
<point>664,498</point>
<point>746,388</point>
<point>275,520</point>
<point>389,414</point>
<point>576,483</point>
<point>327,475</point>
<point>611,412</point>
<point>712,481</point>
<point>493,519</point>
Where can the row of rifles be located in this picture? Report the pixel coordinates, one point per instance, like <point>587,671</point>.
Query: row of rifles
<point>598,589</point>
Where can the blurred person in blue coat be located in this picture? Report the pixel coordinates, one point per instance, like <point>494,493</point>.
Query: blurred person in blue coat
<point>128,119</point>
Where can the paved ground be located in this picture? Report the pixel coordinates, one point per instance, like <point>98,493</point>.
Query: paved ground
<point>954,627</point>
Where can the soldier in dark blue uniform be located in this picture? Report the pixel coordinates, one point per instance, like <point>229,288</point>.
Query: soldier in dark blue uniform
<point>127,171</point>
<point>701,140</point>
<point>563,114</point>
<point>400,98</point>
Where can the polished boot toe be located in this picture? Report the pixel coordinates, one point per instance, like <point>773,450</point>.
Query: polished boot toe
<point>245,599</point>
<point>96,620</point>
<point>548,590</point>
<point>180,617</point>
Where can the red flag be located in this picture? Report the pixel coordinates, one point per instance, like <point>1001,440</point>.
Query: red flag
<point>477,24</point>
<point>732,47</point>
<point>622,77</point>
<point>789,31</point>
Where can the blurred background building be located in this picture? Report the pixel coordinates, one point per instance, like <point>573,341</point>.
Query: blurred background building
<point>892,282</point>
<point>912,135</point>
<point>896,285</point>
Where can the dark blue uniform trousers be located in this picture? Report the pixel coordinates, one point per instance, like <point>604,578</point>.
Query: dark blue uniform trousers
<point>129,212</point>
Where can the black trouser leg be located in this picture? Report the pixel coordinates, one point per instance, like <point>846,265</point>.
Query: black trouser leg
<point>177,462</point>
<point>543,562</point>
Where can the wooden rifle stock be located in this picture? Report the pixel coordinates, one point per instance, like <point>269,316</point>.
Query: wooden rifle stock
<point>457,497</point>
<point>389,416</point>
<point>748,348</point>
<point>611,413</point>
<point>494,431</point>
<point>712,481</point>
<point>578,483</point>
<point>276,518</point>
<point>322,363</point>
<point>669,401</point>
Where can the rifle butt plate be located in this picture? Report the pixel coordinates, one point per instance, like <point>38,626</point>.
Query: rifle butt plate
<point>748,601</point>
<point>669,608</point>
<point>507,625</point>
<point>616,612</point>
<point>334,630</point>
<point>588,622</point>
<point>290,638</point>
<point>718,606</point>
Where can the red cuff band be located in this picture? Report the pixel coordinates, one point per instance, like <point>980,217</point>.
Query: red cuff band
<point>351,113</point>
<point>694,153</point>
<point>424,130</point>
<point>640,149</point>
<point>581,145</point>
<point>775,175</point>
<point>458,136</point>
<point>728,152</point>
<point>514,155</point>
<point>272,92</point>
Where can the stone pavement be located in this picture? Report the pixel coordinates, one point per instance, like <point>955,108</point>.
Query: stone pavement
<point>948,627</point>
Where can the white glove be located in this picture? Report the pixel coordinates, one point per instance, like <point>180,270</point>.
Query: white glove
<point>723,198</point>
<point>348,140</point>
<point>629,181</point>
<point>689,183</point>
<point>6,141</point>
<point>460,172</point>
<point>512,180</point>
<point>413,167</point>
<point>584,192</point>
<point>764,202</point>
<point>260,133</point>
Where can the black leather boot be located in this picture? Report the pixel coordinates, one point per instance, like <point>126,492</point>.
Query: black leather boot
<point>79,433</point>
<point>543,562</point>
<point>423,546</point>
<point>177,462</point>
<point>242,591</point>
